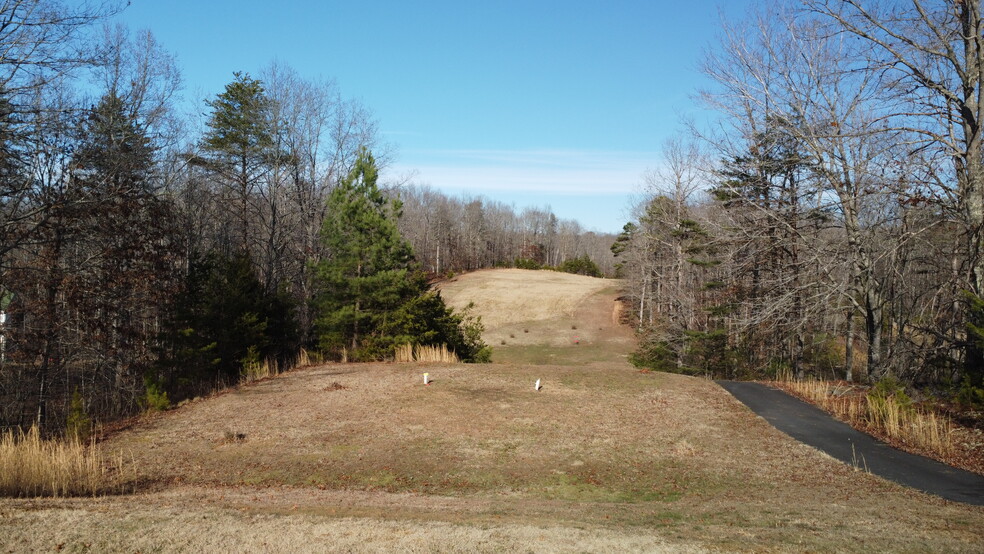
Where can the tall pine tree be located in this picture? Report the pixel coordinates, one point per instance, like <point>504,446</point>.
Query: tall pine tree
<point>373,296</point>
<point>239,150</point>
<point>366,274</point>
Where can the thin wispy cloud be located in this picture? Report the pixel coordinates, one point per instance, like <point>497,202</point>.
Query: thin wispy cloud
<point>546,171</point>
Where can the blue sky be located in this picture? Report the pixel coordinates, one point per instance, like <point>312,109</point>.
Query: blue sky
<point>534,103</point>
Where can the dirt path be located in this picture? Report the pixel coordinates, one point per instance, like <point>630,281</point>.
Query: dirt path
<point>364,457</point>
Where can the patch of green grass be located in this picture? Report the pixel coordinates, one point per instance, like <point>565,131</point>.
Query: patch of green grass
<point>544,354</point>
<point>379,479</point>
<point>575,488</point>
<point>341,450</point>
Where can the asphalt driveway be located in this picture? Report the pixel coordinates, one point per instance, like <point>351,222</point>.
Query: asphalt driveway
<point>811,425</point>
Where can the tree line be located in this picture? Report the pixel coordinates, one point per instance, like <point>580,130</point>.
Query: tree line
<point>452,234</point>
<point>832,221</point>
<point>146,257</point>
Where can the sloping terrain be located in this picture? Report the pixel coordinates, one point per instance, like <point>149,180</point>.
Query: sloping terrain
<point>506,297</point>
<point>365,457</point>
<point>544,316</point>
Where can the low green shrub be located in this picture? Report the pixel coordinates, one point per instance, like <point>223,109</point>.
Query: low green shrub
<point>155,397</point>
<point>78,426</point>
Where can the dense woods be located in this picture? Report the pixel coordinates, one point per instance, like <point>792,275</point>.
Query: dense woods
<point>832,223</point>
<point>146,257</point>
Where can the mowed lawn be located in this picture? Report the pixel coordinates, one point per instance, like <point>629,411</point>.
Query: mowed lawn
<point>363,457</point>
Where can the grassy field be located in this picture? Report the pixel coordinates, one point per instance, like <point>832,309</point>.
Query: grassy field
<point>365,457</point>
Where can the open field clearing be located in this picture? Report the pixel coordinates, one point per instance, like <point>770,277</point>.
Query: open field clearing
<point>506,298</point>
<point>364,457</point>
<point>536,317</point>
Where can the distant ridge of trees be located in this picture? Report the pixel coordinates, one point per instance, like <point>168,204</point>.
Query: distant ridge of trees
<point>454,234</point>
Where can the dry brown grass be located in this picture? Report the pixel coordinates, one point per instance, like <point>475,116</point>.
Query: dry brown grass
<point>425,354</point>
<point>537,316</point>
<point>32,466</point>
<point>479,461</point>
<point>365,457</point>
<point>266,369</point>
<point>187,521</point>
<point>510,296</point>
<point>601,446</point>
<point>883,415</point>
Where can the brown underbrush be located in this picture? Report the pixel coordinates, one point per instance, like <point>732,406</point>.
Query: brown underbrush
<point>916,428</point>
<point>31,466</point>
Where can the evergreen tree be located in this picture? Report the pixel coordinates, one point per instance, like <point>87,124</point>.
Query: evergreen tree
<point>115,156</point>
<point>373,296</point>
<point>365,277</point>
<point>582,265</point>
<point>239,135</point>
<point>123,261</point>
<point>222,321</point>
<point>239,148</point>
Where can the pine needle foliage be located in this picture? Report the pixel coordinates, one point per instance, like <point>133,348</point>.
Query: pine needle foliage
<point>373,295</point>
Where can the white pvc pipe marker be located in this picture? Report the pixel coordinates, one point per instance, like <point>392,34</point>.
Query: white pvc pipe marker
<point>427,378</point>
<point>537,385</point>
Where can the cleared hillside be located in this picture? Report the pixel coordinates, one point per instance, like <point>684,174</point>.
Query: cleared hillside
<point>541,316</point>
<point>518,296</point>
<point>364,457</point>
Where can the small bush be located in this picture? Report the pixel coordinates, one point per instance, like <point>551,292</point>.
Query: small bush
<point>890,388</point>
<point>970,396</point>
<point>526,263</point>
<point>654,354</point>
<point>78,426</point>
<point>581,266</point>
<point>230,437</point>
<point>483,356</point>
<point>825,354</point>
<point>155,397</point>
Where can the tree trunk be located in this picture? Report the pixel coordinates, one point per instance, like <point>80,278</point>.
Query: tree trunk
<point>873,328</point>
<point>849,348</point>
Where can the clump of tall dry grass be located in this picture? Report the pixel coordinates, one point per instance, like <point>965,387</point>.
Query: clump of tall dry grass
<point>257,370</point>
<point>409,353</point>
<point>32,466</point>
<point>884,413</point>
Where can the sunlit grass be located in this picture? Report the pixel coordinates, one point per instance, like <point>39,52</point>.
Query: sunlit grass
<point>409,353</point>
<point>256,371</point>
<point>31,466</point>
